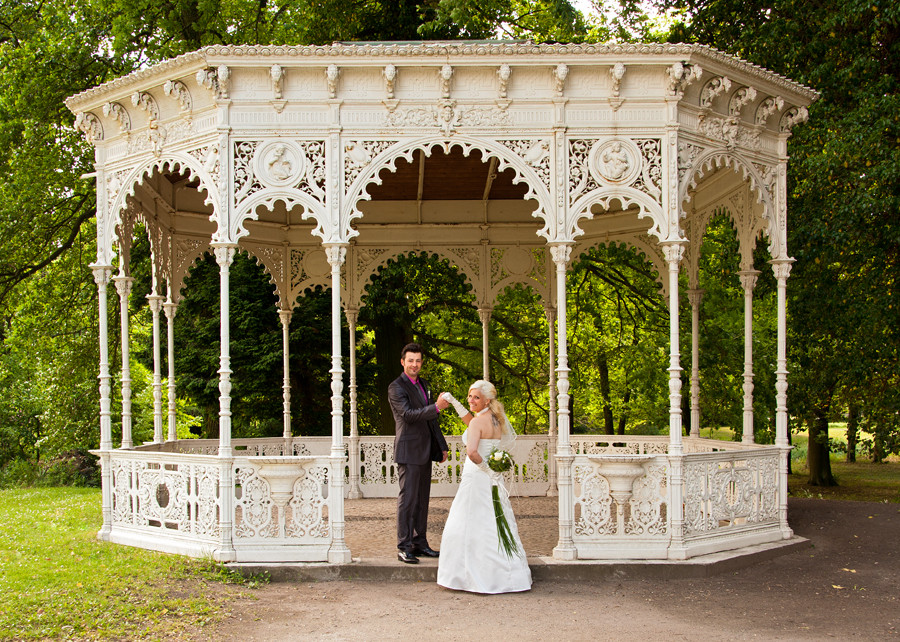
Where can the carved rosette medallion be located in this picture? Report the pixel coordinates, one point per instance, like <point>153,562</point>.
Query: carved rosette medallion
<point>614,162</point>
<point>279,163</point>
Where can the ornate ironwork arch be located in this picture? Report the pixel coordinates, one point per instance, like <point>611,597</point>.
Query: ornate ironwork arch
<point>387,158</point>
<point>246,210</point>
<point>365,270</point>
<point>627,197</point>
<point>761,181</point>
<point>120,186</point>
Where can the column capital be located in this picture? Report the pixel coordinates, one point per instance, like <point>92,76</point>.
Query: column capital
<point>781,267</point>
<point>561,253</point>
<point>224,253</point>
<point>336,253</point>
<point>170,308</point>
<point>123,284</point>
<point>102,273</point>
<point>285,316</point>
<point>748,279</point>
<point>695,296</point>
<point>674,250</point>
<point>155,301</point>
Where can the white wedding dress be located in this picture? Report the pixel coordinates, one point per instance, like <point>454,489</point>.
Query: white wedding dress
<point>471,558</point>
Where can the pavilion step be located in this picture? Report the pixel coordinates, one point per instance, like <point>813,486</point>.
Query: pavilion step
<point>543,569</point>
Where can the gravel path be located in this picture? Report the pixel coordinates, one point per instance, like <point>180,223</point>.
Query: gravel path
<point>846,586</point>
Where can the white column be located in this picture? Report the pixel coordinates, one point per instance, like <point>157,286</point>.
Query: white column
<point>355,492</point>
<point>674,251</point>
<point>171,309</point>
<point>782,268</point>
<point>696,298</point>
<point>565,548</point>
<point>101,277</point>
<point>285,317</point>
<point>224,257</point>
<point>123,287</point>
<point>225,552</point>
<point>102,274</point>
<point>155,302</point>
<point>338,553</point>
<point>552,490</point>
<point>484,314</point>
<point>748,282</point>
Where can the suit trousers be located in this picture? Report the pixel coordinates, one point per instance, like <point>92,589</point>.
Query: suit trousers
<point>412,506</point>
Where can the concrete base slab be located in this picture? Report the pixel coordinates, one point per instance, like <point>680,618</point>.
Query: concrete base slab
<point>542,568</point>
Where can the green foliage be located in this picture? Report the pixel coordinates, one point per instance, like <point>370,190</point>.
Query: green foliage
<point>618,349</point>
<point>48,360</point>
<point>256,352</point>
<point>537,19</point>
<point>722,333</point>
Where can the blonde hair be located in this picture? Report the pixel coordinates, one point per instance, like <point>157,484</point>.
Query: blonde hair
<point>487,389</point>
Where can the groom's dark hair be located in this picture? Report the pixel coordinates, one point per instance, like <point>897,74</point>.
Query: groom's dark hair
<point>411,347</point>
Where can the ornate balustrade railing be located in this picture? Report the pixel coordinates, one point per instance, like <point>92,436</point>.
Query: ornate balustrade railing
<point>164,502</point>
<point>167,496</point>
<point>729,491</point>
<point>172,502</point>
<point>377,472</point>
<point>731,495</point>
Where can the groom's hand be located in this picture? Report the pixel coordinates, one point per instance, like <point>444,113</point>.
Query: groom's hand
<point>441,403</point>
<point>444,457</point>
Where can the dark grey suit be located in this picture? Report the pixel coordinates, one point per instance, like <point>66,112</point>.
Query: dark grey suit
<point>418,442</point>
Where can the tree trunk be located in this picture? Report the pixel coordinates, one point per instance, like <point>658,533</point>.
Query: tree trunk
<point>623,418</point>
<point>390,337</point>
<point>818,450</point>
<point>603,367</point>
<point>852,431</point>
<point>879,452</point>
<point>211,422</point>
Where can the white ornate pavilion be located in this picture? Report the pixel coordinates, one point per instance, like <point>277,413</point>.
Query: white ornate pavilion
<point>505,158</point>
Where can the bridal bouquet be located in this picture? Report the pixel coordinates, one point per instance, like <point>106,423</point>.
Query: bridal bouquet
<point>500,461</point>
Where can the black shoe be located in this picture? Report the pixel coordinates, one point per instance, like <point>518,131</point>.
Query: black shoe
<point>427,552</point>
<point>407,558</point>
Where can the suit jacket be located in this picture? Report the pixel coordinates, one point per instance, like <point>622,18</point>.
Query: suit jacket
<point>419,438</point>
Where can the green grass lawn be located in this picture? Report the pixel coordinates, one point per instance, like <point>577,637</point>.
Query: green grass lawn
<point>58,582</point>
<point>860,481</point>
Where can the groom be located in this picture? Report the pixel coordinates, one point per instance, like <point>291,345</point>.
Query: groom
<point>418,442</point>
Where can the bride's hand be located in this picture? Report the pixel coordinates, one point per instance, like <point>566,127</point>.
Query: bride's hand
<point>461,410</point>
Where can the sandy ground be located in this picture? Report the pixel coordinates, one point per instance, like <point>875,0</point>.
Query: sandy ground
<point>846,586</point>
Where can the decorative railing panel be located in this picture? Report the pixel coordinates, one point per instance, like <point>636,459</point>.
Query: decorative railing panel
<point>300,517</point>
<point>610,522</point>
<point>377,470</point>
<point>619,445</point>
<point>158,494</point>
<point>728,491</point>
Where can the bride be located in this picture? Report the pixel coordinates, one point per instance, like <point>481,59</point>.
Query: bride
<point>471,556</point>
